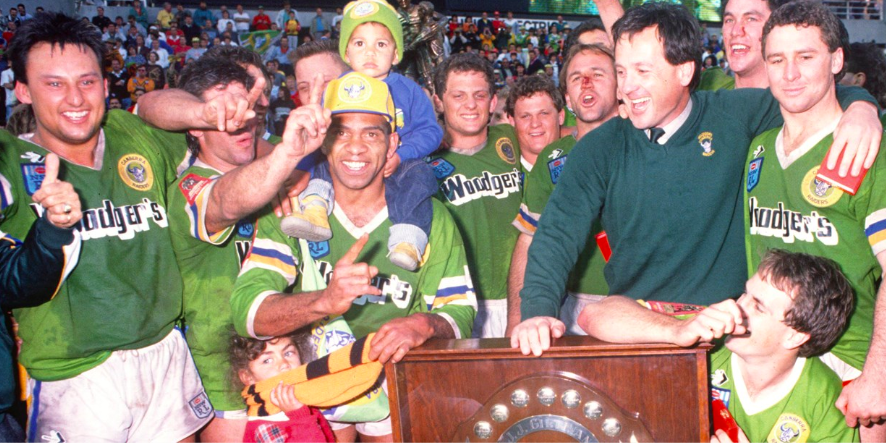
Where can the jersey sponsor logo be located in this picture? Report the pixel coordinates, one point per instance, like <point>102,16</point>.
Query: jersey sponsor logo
<point>399,291</point>
<point>318,249</point>
<point>117,221</point>
<point>136,172</point>
<point>242,247</point>
<point>245,228</point>
<point>442,168</point>
<point>32,174</point>
<point>200,405</point>
<point>506,151</point>
<point>790,225</point>
<point>705,139</point>
<point>191,185</point>
<point>719,378</point>
<point>721,394</point>
<point>459,189</point>
<point>556,168</point>
<point>789,428</point>
<point>817,192</point>
<point>754,169</point>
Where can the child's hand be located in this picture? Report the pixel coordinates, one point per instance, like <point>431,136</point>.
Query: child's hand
<point>283,397</point>
<point>391,165</point>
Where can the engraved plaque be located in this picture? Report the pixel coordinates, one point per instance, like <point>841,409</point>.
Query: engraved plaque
<point>520,398</point>
<point>499,413</point>
<point>483,429</point>
<point>571,399</point>
<point>546,396</point>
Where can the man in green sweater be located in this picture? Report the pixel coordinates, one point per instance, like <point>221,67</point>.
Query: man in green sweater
<point>666,186</point>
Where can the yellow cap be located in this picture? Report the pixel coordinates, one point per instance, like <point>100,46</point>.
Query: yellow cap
<point>356,92</point>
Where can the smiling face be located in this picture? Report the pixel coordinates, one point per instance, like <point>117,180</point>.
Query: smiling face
<point>800,67</point>
<point>743,22</point>
<point>372,50</point>
<point>328,65</point>
<point>467,104</point>
<point>654,90</point>
<point>67,93</point>
<point>763,307</point>
<point>357,148</point>
<point>280,355</point>
<point>537,123</point>
<point>590,86</point>
<point>227,150</point>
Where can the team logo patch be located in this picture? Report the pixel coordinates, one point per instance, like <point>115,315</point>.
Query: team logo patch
<point>245,228</point>
<point>556,168</point>
<point>719,378</point>
<point>336,339</point>
<point>754,169</point>
<point>817,192</point>
<point>363,9</point>
<point>32,174</point>
<point>705,139</point>
<point>191,185</point>
<point>136,172</point>
<point>318,249</point>
<point>200,405</point>
<point>354,89</point>
<point>721,394</point>
<point>506,150</point>
<point>789,428</point>
<point>442,168</point>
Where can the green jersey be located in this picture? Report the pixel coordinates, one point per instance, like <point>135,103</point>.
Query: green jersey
<point>126,290</point>
<point>483,191</point>
<point>713,79</point>
<point>209,263</point>
<point>441,286</point>
<point>786,207</point>
<point>587,275</point>
<point>799,411</point>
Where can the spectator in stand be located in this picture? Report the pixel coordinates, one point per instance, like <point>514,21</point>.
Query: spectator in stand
<point>181,13</point>
<point>560,23</point>
<point>281,107</point>
<point>140,14</point>
<point>223,23</point>
<point>141,47</point>
<point>198,48</point>
<point>487,40</point>
<point>536,63</point>
<point>511,22</point>
<point>121,24</point>
<point>320,25</point>
<point>339,16</point>
<point>202,13</point>
<point>497,23</point>
<point>279,53</point>
<point>174,36</point>
<point>208,29</point>
<point>277,77</point>
<point>100,21</point>
<point>484,23</point>
<point>24,14</point>
<point>502,37</point>
<point>155,34</point>
<point>261,21</point>
<point>112,33</point>
<point>133,58</point>
<point>118,81</point>
<point>139,81</point>
<point>111,54</point>
<point>133,27</point>
<point>165,16</point>
<point>156,72</point>
<point>12,17</point>
<point>241,20</point>
<point>114,102</point>
<point>588,32</point>
<point>7,81</point>
<point>9,32</point>
<point>289,24</point>
<point>191,29</point>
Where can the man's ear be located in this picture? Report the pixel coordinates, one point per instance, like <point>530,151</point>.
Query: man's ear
<point>794,339</point>
<point>393,144</point>
<point>837,61</point>
<point>685,71</point>
<point>22,93</point>
<point>493,103</point>
<point>438,104</point>
<point>562,116</point>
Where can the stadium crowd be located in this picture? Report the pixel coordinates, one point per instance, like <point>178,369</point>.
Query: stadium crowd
<point>198,204</point>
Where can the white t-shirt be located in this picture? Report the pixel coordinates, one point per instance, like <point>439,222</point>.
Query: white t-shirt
<point>8,77</point>
<point>241,26</point>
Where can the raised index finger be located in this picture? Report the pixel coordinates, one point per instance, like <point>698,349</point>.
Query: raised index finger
<point>317,90</point>
<point>351,256</point>
<point>258,88</point>
<point>51,163</point>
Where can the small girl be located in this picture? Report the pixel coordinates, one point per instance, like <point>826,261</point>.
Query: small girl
<point>255,360</point>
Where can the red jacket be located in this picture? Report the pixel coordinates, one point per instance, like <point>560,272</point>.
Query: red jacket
<point>304,424</point>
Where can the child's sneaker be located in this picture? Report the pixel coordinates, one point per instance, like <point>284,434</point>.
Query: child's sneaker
<point>311,224</point>
<point>405,255</point>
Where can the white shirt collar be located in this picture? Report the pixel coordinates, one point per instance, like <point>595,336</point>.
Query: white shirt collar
<point>671,128</point>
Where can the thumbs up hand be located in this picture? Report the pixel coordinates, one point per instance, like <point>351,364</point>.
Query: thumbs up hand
<point>61,202</point>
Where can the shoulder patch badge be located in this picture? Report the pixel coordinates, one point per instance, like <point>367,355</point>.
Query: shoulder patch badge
<point>506,150</point>
<point>705,139</point>
<point>32,175</point>
<point>136,172</point>
<point>555,167</point>
<point>819,193</point>
<point>754,169</point>
<point>318,249</point>
<point>442,168</point>
<point>191,185</point>
<point>789,428</point>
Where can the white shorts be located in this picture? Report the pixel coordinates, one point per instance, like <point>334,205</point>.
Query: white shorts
<point>140,395</point>
<point>571,309</point>
<point>372,428</point>
<point>844,370</point>
<point>491,320</point>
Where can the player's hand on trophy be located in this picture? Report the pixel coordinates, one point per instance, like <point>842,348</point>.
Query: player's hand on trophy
<point>349,281</point>
<point>306,126</point>
<point>58,198</point>
<point>396,337</point>
<point>228,111</point>
<point>712,323</point>
<point>534,335</point>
